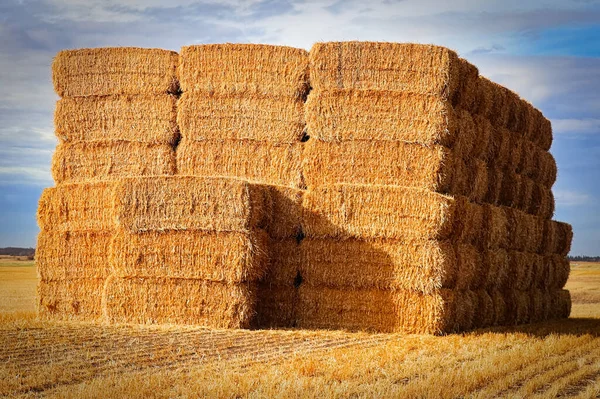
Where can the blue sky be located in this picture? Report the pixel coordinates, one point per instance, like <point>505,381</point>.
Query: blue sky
<point>547,51</point>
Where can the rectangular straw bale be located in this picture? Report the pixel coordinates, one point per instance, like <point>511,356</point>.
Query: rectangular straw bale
<point>178,301</point>
<point>118,70</point>
<point>145,118</point>
<point>434,168</point>
<point>538,309</point>
<point>521,269</point>
<point>537,164</point>
<point>557,237</point>
<point>384,311</point>
<point>494,232</point>
<point>77,207</point>
<point>190,203</point>
<point>560,304</point>
<point>525,232</point>
<point>423,266</point>
<point>419,68</point>
<point>209,116</point>
<point>371,211</point>
<point>261,162</point>
<point>76,299</point>
<point>229,257</point>
<point>499,306</point>
<point>286,212</point>
<point>275,307</point>
<point>251,69</point>
<point>517,306</point>
<point>483,309</point>
<point>561,268</point>
<point>85,161</point>
<point>69,255</point>
<point>496,268</point>
<point>284,263</point>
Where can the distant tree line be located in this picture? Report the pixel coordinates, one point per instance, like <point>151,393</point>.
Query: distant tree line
<point>580,258</point>
<point>13,251</point>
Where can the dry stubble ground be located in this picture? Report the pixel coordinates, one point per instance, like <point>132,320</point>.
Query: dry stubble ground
<point>559,358</point>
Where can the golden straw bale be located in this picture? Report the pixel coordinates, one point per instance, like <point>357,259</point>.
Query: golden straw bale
<point>85,161</point>
<point>560,267</point>
<point>286,211</point>
<point>244,68</point>
<point>346,114</point>
<point>229,257</point>
<point>77,207</point>
<point>521,268</point>
<point>384,264</point>
<point>499,307</point>
<point>69,255</point>
<point>386,66</point>
<point>275,307</point>
<point>517,307</point>
<point>178,301</point>
<point>525,232</point>
<point>537,307</point>
<point>483,315</point>
<point>537,164</point>
<point>77,299</point>
<point>117,70</point>
<point>284,263</point>
<point>209,116</point>
<point>371,211</point>
<point>557,237</point>
<point>560,304</point>
<point>434,168</point>
<point>497,263</point>
<point>495,183</point>
<point>384,311</point>
<point>150,119</point>
<point>190,203</point>
<point>494,232</point>
<point>261,162</point>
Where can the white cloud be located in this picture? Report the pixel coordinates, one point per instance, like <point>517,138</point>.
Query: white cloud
<point>570,198</point>
<point>576,126</point>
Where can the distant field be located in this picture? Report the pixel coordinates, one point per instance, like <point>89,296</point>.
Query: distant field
<point>78,360</point>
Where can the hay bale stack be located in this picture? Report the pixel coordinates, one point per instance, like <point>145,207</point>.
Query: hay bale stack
<point>242,112</point>
<point>241,115</point>
<point>116,118</point>
<point>189,250</point>
<point>429,196</point>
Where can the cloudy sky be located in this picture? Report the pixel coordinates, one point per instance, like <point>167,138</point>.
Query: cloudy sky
<point>547,51</point>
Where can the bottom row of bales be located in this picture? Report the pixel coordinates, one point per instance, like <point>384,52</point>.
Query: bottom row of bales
<point>222,253</point>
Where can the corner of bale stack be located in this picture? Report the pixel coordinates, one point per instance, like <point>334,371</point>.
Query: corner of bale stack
<point>71,299</point>
<point>251,69</point>
<point>114,70</point>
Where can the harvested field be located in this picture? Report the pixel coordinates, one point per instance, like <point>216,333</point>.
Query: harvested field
<point>76,360</point>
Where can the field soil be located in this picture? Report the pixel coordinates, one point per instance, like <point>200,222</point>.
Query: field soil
<point>80,360</point>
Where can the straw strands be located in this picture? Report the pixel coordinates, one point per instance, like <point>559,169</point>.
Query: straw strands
<point>244,68</point>
<point>178,301</point>
<point>142,118</point>
<point>72,299</point>
<point>261,162</point>
<point>109,71</point>
<point>209,116</point>
<point>228,257</point>
<point>86,161</point>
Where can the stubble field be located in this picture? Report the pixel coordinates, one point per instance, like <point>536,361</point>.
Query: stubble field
<point>79,360</point>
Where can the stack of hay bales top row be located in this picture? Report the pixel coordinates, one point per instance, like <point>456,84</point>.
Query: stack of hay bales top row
<point>116,118</point>
<point>429,196</point>
<point>241,115</point>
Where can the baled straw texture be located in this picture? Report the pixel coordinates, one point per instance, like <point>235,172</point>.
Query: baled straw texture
<point>423,266</point>
<point>419,68</point>
<point>118,70</point>
<point>229,257</point>
<point>556,238</point>
<point>560,304</point>
<point>178,301</point>
<point>275,307</point>
<point>190,203</point>
<point>371,211</point>
<point>208,116</point>
<point>77,299</point>
<point>286,212</point>
<point>244,68</point>
<point>284,263</point>
<point>385,311</point>
<point>73,255</point>
<point>77,207</point>
<point>260,162</point>
<point>149,119</point>
<point>110,160</point>
<point>433,168</point>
